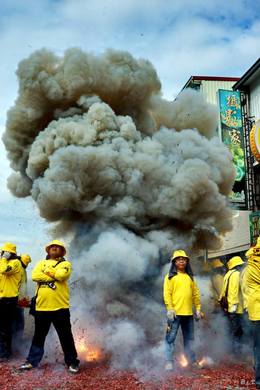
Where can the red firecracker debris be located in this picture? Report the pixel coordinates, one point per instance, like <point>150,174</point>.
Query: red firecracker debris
<point>24,302</point>
<point>101,377</point>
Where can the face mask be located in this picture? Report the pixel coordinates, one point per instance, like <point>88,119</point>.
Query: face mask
<point>6,255</point>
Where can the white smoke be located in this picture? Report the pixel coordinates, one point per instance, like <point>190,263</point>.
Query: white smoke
<point>127,174</point>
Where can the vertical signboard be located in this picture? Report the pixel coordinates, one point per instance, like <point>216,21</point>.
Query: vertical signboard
<point>232,135</point>
<point>254,223</point>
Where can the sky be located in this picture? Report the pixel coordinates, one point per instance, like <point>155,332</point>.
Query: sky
<point>180,37</point>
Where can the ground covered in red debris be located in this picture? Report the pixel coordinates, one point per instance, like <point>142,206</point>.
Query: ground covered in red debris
<point>101,377</point>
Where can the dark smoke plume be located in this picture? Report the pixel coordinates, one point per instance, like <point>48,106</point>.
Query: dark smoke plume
<point>128,175</point>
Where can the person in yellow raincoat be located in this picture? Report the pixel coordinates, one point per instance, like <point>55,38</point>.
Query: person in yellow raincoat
<point>23,301</point>
<point>52,307</point>
<point>216,277</point>
<point>251,290</point>
<point>232,288</point>
<point>10,279</point>
<point>180,295</point>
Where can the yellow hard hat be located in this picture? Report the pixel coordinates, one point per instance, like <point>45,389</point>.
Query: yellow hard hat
<point>55,242</point>
<point>216,263</point>
<point>9,247</point>
<point>234,261</point>
<point>25,259</point>
<point>179,253</point>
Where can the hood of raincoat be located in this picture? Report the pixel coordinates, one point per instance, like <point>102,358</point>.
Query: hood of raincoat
<point>217,263</point>
<point>25,259</point>
<point>9,247</point>
<point>173,269</point>
<point>234,262</point>
<point>254,250</point>
<point>58,243</point>
<point>179,253</point>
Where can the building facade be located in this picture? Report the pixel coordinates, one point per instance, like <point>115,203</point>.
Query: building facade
<point>249,87</point>
<point>219,91</point>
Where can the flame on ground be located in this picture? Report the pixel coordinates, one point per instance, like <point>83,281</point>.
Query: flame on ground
<point>183,361</point>
<point>89,353</point>
<point>206,361</point>
<point>202,362</point>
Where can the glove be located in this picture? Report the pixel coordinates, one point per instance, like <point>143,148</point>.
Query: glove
<point>198,315</point>
<point>171,314</point>
<point>6,255</point>
<point>233,309</point>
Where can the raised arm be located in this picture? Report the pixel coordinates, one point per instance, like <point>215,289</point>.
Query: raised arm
<point>9,267</point>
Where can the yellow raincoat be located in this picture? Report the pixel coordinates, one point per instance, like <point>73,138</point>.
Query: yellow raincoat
<point>25,260</point>
<point>216,279</point>
<point>181,293</point>
<point>234,295</point>
<point>251,287</point>
<point>52,289</point>
<point>10,277</point>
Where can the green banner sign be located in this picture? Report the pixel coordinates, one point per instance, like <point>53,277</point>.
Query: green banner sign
<point>233,137</point>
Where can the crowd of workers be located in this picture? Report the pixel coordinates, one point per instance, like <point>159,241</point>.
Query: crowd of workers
<point>238,295</point>
<point>237,291</point>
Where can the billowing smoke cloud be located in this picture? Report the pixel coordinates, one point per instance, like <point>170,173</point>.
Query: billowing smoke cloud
<point>129,175</point>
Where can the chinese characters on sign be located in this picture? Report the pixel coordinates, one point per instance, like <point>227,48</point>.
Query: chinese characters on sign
<point>232,136</point>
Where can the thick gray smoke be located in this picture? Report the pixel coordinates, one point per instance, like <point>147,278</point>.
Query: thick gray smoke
<point>127,174</point>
